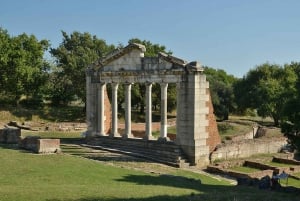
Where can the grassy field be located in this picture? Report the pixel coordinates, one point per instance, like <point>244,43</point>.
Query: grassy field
<point>26,176</point>
<point>64,177</point>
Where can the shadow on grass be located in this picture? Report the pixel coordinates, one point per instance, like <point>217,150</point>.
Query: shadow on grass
<point>203,192</point>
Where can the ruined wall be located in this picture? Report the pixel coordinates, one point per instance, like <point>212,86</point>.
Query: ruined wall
<point>107,113</point>
<point>247,148</point>
<point>213,133</point>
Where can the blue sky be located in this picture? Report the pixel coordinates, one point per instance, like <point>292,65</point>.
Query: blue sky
<point>234,35</point>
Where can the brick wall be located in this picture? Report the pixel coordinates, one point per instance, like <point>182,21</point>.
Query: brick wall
<point>107,113</point>
<point>213,134</point>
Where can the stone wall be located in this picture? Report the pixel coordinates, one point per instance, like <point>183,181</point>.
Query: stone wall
<point>236,174</point>
<point>247,148</point>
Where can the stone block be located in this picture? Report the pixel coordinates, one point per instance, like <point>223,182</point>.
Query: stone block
<point>10,135</point>
<point>29,142</point>
<point>2,136</point>
<point>38,145</point>
<point>48,146</point>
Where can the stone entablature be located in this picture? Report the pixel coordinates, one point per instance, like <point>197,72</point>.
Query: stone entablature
<point>127,66</point>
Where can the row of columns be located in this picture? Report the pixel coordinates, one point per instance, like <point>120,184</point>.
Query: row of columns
<point>128,134</point>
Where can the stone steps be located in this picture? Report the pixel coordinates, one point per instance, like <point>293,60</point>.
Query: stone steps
<point>162,152</point>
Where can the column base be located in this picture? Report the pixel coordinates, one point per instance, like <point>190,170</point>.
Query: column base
<point>100,134</point>
<point>163,139</point>
<point>148,138</point>
<point>124,136</point>
<point>112,135</point>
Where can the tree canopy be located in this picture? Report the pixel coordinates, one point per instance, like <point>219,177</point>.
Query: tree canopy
<point>266,88</point>
<point>23,69</point>
<point>74,54</point>
<point>221,90</point>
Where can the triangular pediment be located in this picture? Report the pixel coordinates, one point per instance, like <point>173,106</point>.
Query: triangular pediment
<point>131,58</point>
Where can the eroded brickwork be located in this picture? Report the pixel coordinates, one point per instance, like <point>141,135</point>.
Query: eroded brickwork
<point>213,134</point>
<point>107,113</point>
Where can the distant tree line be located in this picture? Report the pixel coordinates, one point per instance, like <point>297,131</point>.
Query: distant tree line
<point>26,77</point>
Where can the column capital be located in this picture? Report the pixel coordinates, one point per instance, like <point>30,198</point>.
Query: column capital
<point>163,84</point>
<point>128,83</point>
<point>148,83</point>
<point>100,84</point>
<point>115,84</point>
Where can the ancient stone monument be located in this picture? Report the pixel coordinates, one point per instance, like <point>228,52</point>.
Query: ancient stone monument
<point>197,134</point>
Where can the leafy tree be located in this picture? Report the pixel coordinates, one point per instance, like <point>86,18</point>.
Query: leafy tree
<point>23,69</point>
<point>291,116</point>
<point>266,88</point>
<point>221,89</point>
<point>73,55</point>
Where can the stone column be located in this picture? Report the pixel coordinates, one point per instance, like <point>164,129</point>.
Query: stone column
<point>163,112</point>
<point>114,130</point>
<point>100,109</point>
<point>148,134</point>
<point>89,98</point>
<point>127,133</point>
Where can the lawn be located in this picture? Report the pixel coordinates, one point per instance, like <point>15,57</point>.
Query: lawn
<point>27,176</point>
<point>244,169</point>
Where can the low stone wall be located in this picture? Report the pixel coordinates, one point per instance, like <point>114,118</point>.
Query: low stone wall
<point>247,148</point>
<point>247,136</point>
<point>254,175</point>
<point>38,145</point>
<point>10,135</point>
<point>287,161</point>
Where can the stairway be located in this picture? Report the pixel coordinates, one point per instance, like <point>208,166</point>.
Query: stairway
<point>163,152</point>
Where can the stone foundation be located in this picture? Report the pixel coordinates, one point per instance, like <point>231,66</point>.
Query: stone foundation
<point>247,148</point>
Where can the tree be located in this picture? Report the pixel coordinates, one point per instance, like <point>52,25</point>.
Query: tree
<point>290,125</point>
<point>74,54</point>
<point>221,90</point>
<point>266,88</point>
<point>23,69</point>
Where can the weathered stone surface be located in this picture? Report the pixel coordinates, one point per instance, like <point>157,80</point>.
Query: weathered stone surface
<point>10,135</point>
<point>29,142</point>
<point>48,146</point>
<point>248,148</point>
<point>2,136</point>
<point>38,145</point>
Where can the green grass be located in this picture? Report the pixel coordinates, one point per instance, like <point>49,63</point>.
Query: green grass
<point>54,134</point>
<point>228,129</point>
<point>278,164</point>
<point>171,129</point>
<point>42,113</point>
<point>26,176</point>
<point>244,169</point>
